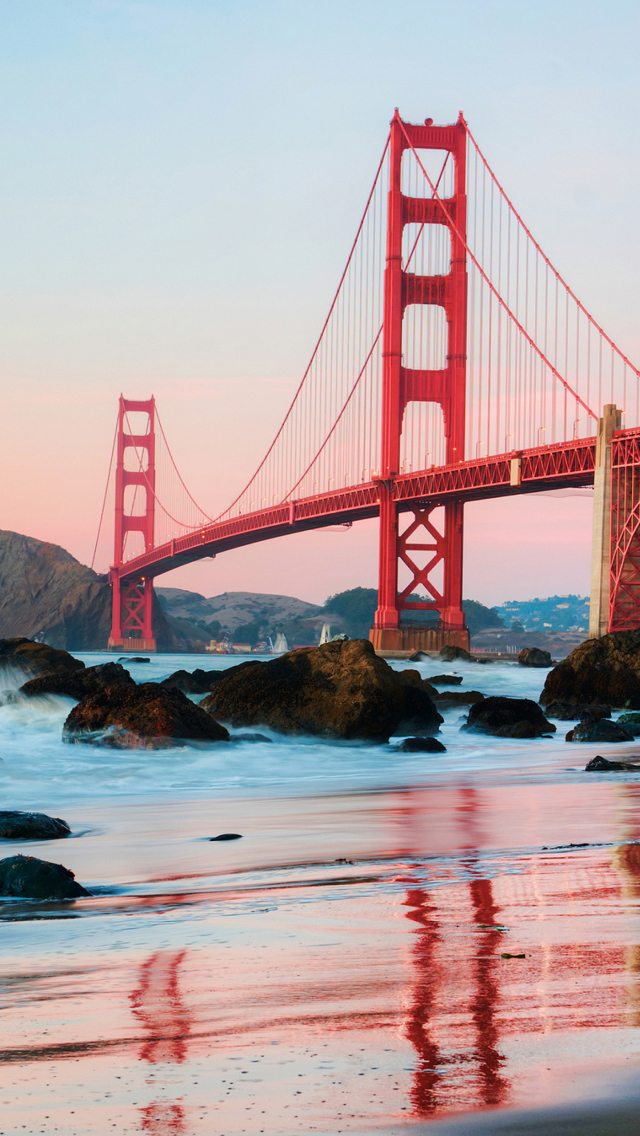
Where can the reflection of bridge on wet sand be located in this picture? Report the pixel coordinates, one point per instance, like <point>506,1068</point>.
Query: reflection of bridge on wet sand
<point>463,1004</point>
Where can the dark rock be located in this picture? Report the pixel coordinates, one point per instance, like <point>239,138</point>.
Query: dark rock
<point>134,659</point>
<point>146,715</point>
<point>37,658</point>
<point>605,670</point>
<point>600,764</point>
<point>338,690</point>
<point>461,697</point>
<point>534,657</point>
<point>29,878</point>
<point>227,836</point>
<point>451,653</point>
<point>415,679</point>
<point>421,745</point>
<point>445,680</point>
<point>572,712</point>
<point>199,681</point>
<point>508,718</point>
<point>31,826</point>
<point>251,738</point>
<point>419,657</point>
<point>599,730</point>
<point>79,684</point>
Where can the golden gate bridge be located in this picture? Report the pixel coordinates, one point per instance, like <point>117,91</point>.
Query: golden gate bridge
<point>455,364</point>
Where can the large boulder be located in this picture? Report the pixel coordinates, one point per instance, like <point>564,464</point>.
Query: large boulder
<point>26,877</point>
<point>338,690</point>
<point>79,684</point>
<point>461,697</point>
<point>599,730</point>
<point>508,718</point>
<point>534,657</point>
<point>147,715</point>
<point>31,826</point>
<point>36,658</point>
<point>605,670</point>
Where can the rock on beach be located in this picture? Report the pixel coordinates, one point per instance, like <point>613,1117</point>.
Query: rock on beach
<point>598,730</point>
<point>508,718</point>
<point>341,690</point>
<point>27,877</point>
<point>31,826</point>
<point>36,658</point>
<point>534,657</point>
<point>147,715</point>
<point>605,670</point>
<point>79,684</point>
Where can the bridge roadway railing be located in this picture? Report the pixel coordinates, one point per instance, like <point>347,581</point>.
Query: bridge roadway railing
<point>523,471</point>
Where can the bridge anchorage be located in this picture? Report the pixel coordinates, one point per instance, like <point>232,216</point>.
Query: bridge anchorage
<point>455,364</point>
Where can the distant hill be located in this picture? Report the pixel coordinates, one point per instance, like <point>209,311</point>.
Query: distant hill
<point>245,616</point>
<point>48,595</point>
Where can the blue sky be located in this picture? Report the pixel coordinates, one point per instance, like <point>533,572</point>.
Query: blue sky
<point>180,183</point>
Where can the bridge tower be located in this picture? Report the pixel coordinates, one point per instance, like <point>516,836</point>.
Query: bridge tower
<point>401,385</point>
<point>132,600</point>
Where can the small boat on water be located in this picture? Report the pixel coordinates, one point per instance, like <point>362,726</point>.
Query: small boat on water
<point>280,646</point>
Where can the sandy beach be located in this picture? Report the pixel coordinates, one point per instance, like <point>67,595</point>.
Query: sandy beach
<point>395,939</point>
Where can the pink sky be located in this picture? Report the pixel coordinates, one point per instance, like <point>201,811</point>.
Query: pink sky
<point>180,186</point>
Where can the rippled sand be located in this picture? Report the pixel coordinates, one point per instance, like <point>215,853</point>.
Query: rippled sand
<point>350,964</point>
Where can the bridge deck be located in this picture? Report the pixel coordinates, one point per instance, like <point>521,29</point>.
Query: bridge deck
<point>548,467</point>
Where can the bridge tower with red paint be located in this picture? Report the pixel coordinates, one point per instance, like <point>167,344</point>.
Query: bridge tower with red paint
<point>132,599</point>
<point>402,385</point>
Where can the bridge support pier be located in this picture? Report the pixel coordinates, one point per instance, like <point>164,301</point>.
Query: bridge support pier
<point>444,387</point>
<point>599,619</point>
<point>132,599</point>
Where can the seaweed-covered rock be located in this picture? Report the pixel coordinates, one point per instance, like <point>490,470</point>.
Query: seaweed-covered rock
<point>79,684</point>
<point>508,718</point>
<point>572,712</point>
<point>605,670</point>
<point>146,715</point>
<point>421,745</point>
<point>599,730</point>
<point>36,658</point>
<point>534,657</point>
<point>338,690</point>
<point>600,764</point>
<point>31,826</point>
<point>27,877</point>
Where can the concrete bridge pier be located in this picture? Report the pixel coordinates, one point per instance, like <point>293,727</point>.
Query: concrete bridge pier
<point>601,543</point>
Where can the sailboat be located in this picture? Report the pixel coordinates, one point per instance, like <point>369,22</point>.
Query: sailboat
<point>280,645</point>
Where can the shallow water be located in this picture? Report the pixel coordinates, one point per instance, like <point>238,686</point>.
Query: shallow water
<point>339,967</point>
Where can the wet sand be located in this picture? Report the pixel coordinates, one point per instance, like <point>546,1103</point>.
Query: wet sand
<point>351,964</point>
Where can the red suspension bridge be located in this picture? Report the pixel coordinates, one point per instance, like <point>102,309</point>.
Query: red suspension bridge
<point>455,364</point>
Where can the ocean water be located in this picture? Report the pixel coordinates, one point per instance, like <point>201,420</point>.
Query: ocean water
<point>393,938</point>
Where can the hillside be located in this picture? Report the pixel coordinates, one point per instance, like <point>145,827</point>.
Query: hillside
<point>248,614</point>
<point>48,595</point>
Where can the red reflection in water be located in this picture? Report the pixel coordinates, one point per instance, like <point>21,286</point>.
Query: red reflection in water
<point>163,1119</point>
<point>494,1087</point>
<point>159,1007</point>
<point>425,1085</point>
